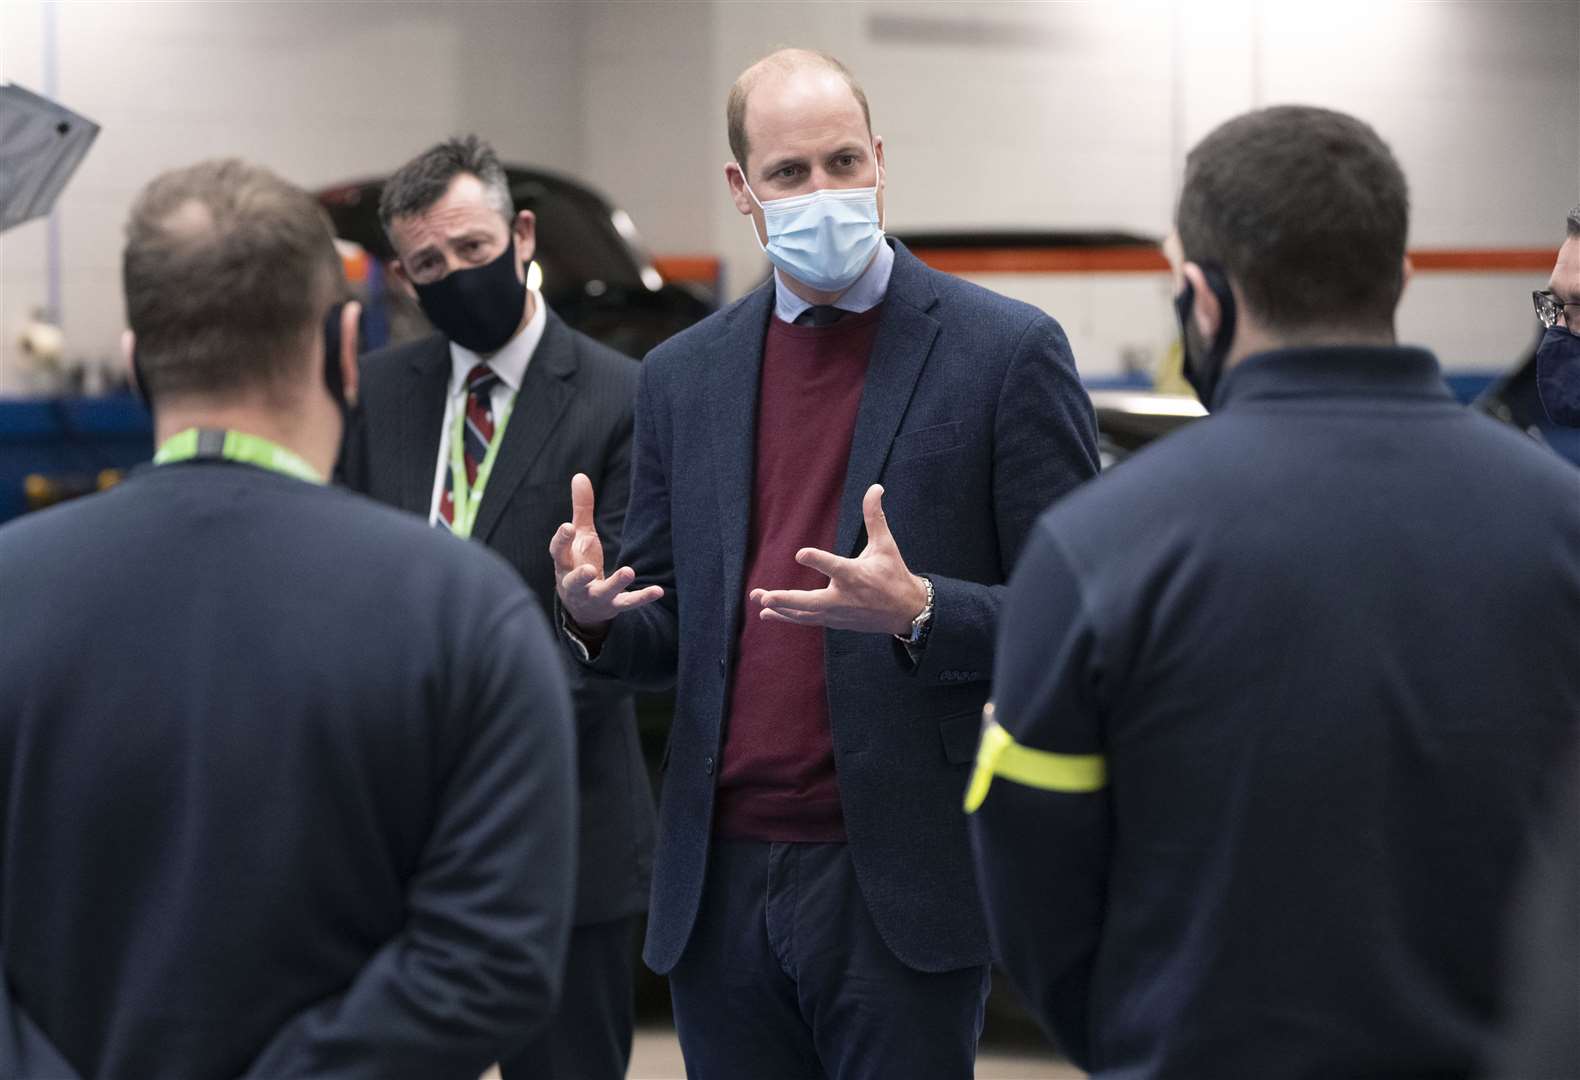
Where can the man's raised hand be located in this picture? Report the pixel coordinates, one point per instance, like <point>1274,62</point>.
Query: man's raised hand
<point>588,597</point>
<point>874,592</point>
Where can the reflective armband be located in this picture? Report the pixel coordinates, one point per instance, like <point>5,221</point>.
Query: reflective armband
<point>1000,755</point>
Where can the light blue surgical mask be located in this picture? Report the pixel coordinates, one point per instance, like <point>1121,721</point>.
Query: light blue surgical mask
<point>825,238</point>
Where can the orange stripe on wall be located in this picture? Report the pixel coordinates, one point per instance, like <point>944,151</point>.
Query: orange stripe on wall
<point>697,269</point>
<point>1093,260</point>
<point>1538,260</point>
<point>704,269</point>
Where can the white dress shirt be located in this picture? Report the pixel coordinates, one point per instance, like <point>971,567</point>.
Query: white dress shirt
<point>509,363</point>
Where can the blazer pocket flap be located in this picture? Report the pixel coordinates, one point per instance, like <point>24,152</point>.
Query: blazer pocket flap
<point>961,735</point>
<point>924,441</point>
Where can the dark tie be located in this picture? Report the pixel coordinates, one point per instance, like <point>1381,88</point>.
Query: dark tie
<point>476,434</point>
<point>820,315</point>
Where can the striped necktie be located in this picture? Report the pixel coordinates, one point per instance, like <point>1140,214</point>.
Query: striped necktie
<point>476,434</point>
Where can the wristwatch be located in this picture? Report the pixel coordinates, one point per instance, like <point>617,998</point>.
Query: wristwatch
<point>923,622</point>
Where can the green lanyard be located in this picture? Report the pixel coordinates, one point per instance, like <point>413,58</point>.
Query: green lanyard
<point>194,443</point>
<point>467,498</point>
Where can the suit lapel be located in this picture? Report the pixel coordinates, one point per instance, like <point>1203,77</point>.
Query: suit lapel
<point>545,392</point>
<point>422,415</point>
<point>734,366</point>
<point>905,337</point>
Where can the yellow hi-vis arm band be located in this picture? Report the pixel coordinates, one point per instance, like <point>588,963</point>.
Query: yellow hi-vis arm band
<point>1001,755</point>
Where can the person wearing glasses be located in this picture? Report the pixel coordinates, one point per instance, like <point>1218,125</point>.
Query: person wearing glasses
<point>1558,356</point>
<point>1280,704</point>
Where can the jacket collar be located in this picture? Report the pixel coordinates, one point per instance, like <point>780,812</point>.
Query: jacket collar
<point>1335,371</point>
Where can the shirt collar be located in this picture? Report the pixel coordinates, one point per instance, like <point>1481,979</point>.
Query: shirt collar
<point>509,363</point>
<point>865,294</point>
<point>1335,371</point>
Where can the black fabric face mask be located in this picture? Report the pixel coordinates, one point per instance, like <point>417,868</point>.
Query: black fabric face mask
<point>478,308</point>
<point>1558,376</point>
<point>1203,367</point>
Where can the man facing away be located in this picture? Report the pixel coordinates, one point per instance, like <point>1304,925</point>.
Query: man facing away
<point>479,428</point>
<point>831,481</point>
<point>1279,701</point>
<point>285,777</point>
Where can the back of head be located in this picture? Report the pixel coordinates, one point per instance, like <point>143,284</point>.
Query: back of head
<point>424,179</point>
<point>228,273</point>
<point>1574,222</point>
<point>1307,212</point>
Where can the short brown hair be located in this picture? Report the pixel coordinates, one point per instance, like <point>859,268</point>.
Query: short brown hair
<point>1306,210</point>
<point>228,272</point>
<point>781,60</point>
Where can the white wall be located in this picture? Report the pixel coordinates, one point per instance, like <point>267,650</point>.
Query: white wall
<point>320,92</point>
<point>1059,115</point>
<point>1078,116</point>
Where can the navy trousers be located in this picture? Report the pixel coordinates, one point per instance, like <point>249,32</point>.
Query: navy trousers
<point>589,1038</point>
<point>786,978</point>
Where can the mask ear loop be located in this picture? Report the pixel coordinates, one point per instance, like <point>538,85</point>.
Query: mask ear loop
<point>748,186</point>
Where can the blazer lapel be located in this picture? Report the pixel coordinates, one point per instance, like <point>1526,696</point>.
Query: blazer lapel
<point>905,337</point>
<point>545,392</point>
<point>734,365</point>
<point>422,415</point>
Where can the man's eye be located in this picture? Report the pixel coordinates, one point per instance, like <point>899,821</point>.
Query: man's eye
<point>845,161</point>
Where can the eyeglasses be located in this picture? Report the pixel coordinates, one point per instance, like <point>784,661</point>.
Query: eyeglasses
<point>1552,311</point>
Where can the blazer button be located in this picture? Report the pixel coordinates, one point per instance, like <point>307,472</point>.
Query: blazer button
<point>721,667</point>
<point>707,765</point>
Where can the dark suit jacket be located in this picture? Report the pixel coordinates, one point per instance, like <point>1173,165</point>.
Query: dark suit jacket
<point>285,788</point>
<point>973,419</point>
<point>1328,641</point>
<point>573,414</point>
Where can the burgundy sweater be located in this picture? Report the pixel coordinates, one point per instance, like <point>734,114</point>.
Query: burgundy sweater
<point>777,780</point>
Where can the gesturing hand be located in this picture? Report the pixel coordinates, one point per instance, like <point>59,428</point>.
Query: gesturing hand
<point>874,592</point>
<point>589,598</point>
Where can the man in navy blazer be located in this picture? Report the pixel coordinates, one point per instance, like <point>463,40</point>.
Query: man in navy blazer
<point>831,480</point>
<point>287,779</point>
<point>1280,701</point>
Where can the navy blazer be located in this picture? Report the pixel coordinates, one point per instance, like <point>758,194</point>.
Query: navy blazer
<point>974,420</point>
<point>572,414</point>
<point>285,789</point>
<point>1329,642</point>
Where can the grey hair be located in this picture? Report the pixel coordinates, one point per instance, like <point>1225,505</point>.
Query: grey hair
<point>1574,222</point>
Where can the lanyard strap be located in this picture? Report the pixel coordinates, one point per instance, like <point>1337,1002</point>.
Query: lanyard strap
<point>200,443</point>
<point>465,497</point>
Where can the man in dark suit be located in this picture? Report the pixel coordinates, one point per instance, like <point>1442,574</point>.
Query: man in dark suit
<point>831,481</point>
<point>479,428</point>
<point>285,778</point>
<point>1279,701</point>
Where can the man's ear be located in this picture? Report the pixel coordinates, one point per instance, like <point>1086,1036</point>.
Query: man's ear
<point>736,179</point>
<point>525,231</point>
<point>350,346</point>
<point>397,274</point>
<point>1206,310</point>
<point>1406,274</point>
